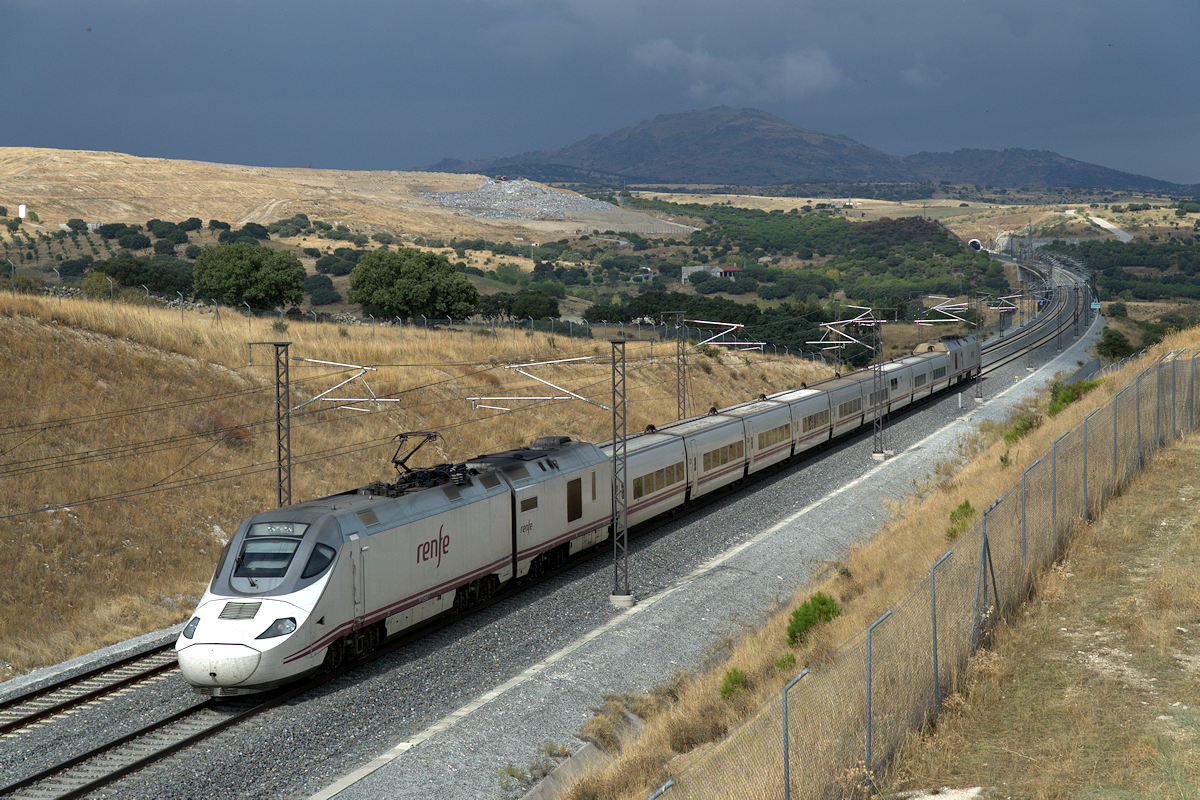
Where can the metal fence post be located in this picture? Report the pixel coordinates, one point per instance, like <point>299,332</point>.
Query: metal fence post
<point>1173,428</point>
<point>1157,406</point>
<point>870,632</point>
<point>1024,527</point>
<point>981,587</point>
<point>1137,397</point>
<point>1054,488</point>
<point>1116,408</point>
<point>1192,391</point>
<point>937,685</point>
<point>1087,514</point>
<point>787,781</point>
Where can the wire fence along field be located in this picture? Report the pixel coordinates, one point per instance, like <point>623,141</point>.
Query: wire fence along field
<point>837,725</point>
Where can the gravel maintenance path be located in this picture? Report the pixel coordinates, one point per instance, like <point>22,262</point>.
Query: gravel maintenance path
<point>440,717</point>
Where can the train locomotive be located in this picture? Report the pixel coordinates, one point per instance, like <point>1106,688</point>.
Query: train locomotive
<point>303,587</point>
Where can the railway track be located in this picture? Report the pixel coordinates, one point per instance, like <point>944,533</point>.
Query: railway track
<point>37,705</point>
<point>101,765</point>
<point>1069,306</point>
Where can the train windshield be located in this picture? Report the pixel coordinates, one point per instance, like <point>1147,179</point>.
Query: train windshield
<point>268,549</point>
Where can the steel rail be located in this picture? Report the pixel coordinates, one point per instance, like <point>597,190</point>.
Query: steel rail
<point>12,716</point>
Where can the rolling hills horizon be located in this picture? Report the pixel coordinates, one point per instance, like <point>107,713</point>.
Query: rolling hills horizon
<point>747,147</point>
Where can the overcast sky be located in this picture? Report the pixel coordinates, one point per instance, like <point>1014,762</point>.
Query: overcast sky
<point>400,84</point>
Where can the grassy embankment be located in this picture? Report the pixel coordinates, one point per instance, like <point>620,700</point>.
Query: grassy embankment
<point>684,719</point>
<point>102,401</point>
<point>1090,692</point>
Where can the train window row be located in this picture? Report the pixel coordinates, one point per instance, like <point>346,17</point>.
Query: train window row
<point>940,372</point>
<point>774,436</point>
<point>723,455</point>
<point>879,397</point>
<point>849,407</point>
<point>814,421</point>
<point>529,504</point>
<point>659,479</point>
<point>919,380</point>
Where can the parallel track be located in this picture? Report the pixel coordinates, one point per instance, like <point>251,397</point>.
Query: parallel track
<point>1068,305</point>
<point>26,709</point>
<point>87,771</point>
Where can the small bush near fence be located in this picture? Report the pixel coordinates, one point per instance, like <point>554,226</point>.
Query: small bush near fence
<point>816,609</point>
<point>735,681</point>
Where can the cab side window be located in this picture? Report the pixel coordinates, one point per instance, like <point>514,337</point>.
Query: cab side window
<point>322,557</point>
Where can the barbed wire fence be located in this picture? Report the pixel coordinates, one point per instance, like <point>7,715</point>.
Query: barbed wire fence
<point>836,725</point>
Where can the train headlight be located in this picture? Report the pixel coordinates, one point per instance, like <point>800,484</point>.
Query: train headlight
<point>189,630</point>
<point>280,627</point>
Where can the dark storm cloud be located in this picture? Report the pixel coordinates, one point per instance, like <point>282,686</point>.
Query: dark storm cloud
<point>389,85</point>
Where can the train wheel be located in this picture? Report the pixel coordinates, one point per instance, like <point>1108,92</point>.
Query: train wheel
<point>334,655</point>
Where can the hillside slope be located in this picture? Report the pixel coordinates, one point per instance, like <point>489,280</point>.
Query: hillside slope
<point>115,187</point>
<point>132,442</point>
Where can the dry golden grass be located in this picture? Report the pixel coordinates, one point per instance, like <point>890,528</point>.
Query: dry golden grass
<point>871,578</point>
<point>862,208</point>
<point>1092,691</point>
<point>115,187</point>
<point>106,400</point>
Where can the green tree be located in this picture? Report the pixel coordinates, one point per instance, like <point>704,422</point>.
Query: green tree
<point>409,282</point>
<point>134,241</point>
<point>529,303</point>
<point>1113,344</point>
<point>249,273</point>
<point>76,224</point>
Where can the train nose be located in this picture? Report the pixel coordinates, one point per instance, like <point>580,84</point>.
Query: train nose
<point>218,664</point>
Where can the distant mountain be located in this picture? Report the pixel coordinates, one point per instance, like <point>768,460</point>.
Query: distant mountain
<point>748,147</point>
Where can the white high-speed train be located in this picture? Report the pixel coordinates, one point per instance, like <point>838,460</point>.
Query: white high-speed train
<point>304,586</point>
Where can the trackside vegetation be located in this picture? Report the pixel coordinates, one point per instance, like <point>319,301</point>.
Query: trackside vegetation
<point>813,611</point>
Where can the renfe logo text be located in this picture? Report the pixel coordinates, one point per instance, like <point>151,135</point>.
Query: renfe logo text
<point>434,548</point>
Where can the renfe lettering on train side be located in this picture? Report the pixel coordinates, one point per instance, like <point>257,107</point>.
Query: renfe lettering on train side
<point>434,548</point>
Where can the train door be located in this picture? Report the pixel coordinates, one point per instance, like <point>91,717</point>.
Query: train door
<point>360,581</point>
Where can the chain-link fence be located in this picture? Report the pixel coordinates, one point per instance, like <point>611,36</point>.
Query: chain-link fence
<point>839,723</point>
